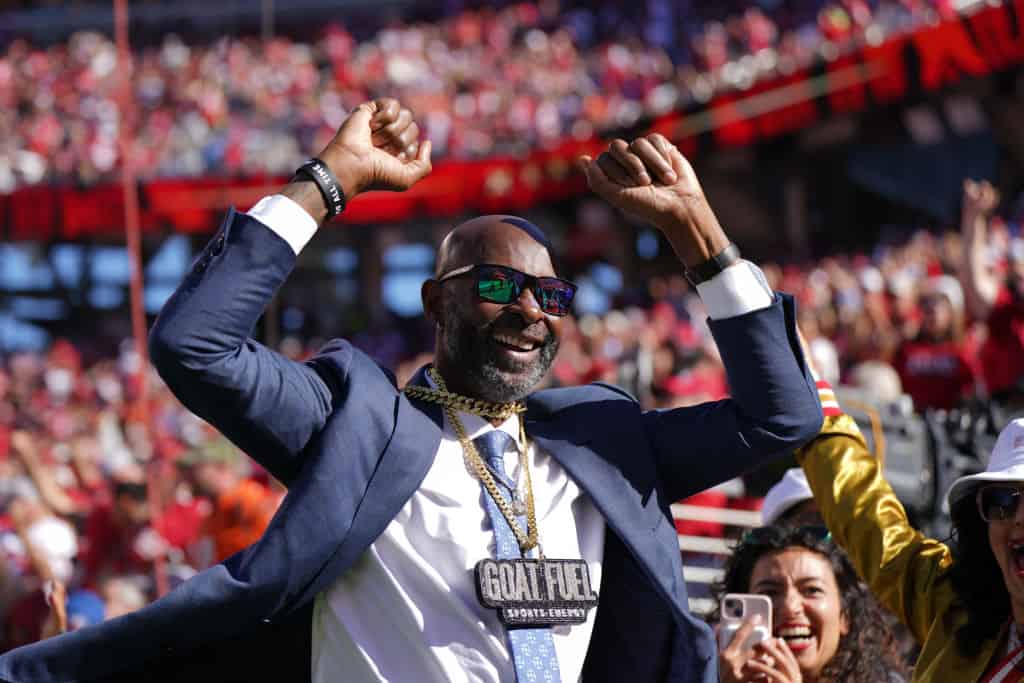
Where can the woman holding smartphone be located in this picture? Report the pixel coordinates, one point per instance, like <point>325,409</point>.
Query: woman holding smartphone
<point>824,624</point>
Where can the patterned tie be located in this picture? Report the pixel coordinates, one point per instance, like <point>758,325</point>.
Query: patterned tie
<point>533,649</point>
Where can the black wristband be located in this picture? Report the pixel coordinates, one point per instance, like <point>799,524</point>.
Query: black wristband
<point>321,174</point>
<point>713,266</point>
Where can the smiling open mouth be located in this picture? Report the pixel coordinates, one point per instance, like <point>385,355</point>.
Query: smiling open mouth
<point>797,637</point>
<point>514,343</point>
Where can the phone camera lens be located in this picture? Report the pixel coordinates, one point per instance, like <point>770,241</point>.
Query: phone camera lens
<point>734,608</point>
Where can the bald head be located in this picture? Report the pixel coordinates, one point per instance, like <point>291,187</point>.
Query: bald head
<point>499,239</point>
<point>488,349</point>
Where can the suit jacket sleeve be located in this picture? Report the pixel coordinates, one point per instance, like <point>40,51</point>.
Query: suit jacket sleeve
<point>267,404</point>
<point>773,409</point>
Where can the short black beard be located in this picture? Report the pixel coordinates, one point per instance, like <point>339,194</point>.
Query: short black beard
<point>484,372</point>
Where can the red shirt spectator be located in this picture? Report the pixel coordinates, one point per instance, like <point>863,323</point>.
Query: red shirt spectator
<point>1002,354</point>
<point>935,375</point>
<point>112,534</point>
<point>936,368</point>
<point>181,523</point>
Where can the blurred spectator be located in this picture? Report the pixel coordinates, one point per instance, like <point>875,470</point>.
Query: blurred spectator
<point>121,596</point>
<point>242,508</point>
<point>790,502</point>
<point>822,350</point>
<point>994,286</point>
<point>936,367</point>
<point>880,379</point>
<point>85,608</point>
<point>118,535</point>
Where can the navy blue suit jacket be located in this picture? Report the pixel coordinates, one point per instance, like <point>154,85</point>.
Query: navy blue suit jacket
<point>352,449</point>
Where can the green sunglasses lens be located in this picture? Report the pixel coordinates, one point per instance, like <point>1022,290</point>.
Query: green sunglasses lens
<point>497,289</point>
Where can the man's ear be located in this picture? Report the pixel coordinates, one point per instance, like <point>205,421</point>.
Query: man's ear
<point>430,295</point>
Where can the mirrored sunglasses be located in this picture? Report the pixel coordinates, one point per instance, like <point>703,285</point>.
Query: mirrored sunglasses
<point>998,501</point>
<point>503,285</point>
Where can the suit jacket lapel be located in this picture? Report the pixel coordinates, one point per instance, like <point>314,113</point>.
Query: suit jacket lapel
<point>432,410</point>
<point>402,469</point>
<point>628,512</point>
<point>409,455</point>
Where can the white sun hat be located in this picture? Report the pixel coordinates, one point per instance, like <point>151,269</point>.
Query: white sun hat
<point>1005,465</point>
<point>791,490</point>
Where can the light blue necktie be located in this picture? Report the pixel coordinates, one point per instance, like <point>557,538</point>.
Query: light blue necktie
<point>533,649</point>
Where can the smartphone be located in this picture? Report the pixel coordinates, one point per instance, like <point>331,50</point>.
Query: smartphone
<point>737,608</point>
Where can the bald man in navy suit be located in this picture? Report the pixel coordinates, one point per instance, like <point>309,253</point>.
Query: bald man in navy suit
<point>366,573</point>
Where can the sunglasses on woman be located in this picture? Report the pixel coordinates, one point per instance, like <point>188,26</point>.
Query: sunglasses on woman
<point>998,501</point>
<point>503,285</point>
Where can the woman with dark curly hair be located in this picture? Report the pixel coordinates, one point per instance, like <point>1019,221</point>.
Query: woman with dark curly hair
<point>963,602</point>
<point>821,612</point>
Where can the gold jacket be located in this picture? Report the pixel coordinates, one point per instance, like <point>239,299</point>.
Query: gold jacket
<point>907,572</point>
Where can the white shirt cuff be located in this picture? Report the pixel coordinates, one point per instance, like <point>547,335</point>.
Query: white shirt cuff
<point>289,220</point>
<point>741,288</point>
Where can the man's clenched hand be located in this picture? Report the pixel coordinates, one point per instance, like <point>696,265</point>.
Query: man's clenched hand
<point>378,148</point>
<point>652,180</point>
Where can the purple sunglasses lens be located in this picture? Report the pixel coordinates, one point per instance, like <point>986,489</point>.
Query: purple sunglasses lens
<point>998,502</point>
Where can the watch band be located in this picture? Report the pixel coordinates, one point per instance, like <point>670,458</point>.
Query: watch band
<point>321,174</point>
<point>713,266</point>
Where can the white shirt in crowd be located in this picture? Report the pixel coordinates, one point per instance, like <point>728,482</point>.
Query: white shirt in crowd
<point>408,610</point>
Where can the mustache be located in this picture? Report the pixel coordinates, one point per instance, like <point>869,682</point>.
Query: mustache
<point>515,323</point>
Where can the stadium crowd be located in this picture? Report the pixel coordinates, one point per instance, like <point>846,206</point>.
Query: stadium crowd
<point>940,314</point>
<point>487,82</point>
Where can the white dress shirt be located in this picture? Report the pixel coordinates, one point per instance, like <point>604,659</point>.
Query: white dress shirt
<point>408,610</point>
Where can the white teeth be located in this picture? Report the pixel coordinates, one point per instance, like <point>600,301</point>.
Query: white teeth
<point>520,344</point>
<point>795,632</point>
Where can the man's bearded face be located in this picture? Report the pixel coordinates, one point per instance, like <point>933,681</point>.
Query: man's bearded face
<point>501,358</point>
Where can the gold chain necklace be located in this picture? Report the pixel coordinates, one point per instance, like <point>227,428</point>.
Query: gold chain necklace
<point>498,411</point>
<point>476,406</point>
